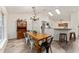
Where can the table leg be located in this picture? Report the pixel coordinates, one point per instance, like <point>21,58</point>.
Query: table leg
<point>37,46</point>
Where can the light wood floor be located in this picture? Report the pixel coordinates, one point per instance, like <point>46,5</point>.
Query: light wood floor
<point>19,46</point>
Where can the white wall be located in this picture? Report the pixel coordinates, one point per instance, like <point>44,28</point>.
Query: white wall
<point>12,26</point>
<point>74,23</point>
<point>12,18</point>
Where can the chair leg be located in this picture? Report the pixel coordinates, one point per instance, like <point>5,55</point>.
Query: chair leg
<point>47,50</point>
<point>66,40</point>
<point>50,49</point>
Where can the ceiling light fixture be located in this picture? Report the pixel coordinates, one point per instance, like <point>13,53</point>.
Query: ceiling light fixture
<point>35,15</point>
<point>57,11</point>
<point>50,13</point>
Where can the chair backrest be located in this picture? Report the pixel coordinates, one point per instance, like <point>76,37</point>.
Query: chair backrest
<point>25,35</point>
<point>51,39</point>
<point>45,43</point>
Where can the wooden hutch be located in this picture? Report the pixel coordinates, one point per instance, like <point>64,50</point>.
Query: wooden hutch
<point>21,28</point>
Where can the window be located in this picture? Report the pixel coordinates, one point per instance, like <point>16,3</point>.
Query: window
<point>1,26</point>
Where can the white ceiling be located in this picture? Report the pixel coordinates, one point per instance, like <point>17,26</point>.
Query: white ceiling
<point>65,10</point>
<point>21,9</point>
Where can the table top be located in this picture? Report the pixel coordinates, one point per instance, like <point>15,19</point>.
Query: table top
<point>38,36</point>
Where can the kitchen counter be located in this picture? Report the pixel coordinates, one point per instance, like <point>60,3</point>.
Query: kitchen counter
<point>62,28</point>
<point>57,31</point>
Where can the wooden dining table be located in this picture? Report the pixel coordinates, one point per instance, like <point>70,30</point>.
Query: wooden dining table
<point>38,37</point>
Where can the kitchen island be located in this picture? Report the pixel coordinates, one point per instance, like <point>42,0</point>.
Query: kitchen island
<point>57,31</point>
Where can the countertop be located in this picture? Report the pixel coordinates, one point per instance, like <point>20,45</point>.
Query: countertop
<point>62,28</point>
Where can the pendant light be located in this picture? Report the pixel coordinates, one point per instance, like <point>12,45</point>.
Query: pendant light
<point>35,15</point>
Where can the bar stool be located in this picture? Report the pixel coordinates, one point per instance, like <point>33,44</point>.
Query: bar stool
<point>72,36</point>
<point>63,37</point>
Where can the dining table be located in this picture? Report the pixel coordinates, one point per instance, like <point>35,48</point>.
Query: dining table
<point>37,38</point>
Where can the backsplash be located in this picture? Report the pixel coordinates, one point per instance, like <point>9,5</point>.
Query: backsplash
<point>62,24</point>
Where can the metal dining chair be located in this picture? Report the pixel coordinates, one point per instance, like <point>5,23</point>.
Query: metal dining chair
<point>47,44</point>
<point>32,42</point>
<point>27,38</point>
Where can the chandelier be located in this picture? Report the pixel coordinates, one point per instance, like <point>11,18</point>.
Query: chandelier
<point>35,16</point>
